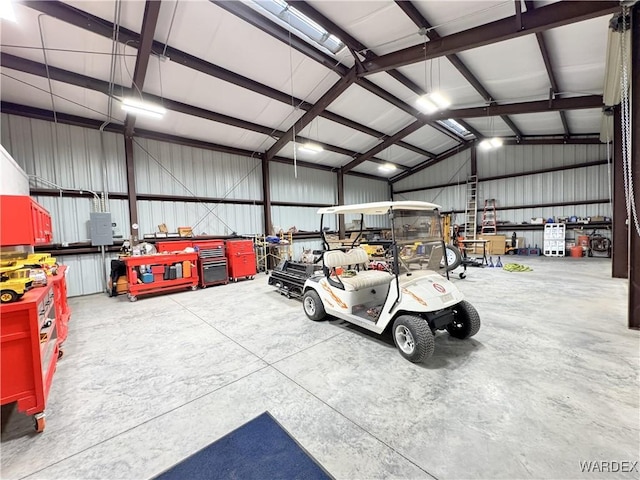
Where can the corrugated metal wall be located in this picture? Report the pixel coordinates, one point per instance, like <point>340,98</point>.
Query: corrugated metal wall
<point>204,218</point>
<point>454,169</point>
<point>85,273</point>
<point>575,185</point>
<point>311,185</point>
<point>363,190</point>
<point>172,169</point>
<point>77,163</point>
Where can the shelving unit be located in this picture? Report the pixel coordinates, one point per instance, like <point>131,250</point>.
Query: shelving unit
<point>554,243</point>
<point>30,338</point>
<point>268,255</point>
<point>133,265</point>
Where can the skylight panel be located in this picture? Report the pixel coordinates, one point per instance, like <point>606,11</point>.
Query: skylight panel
<point>297,22</point>
<point>453,126</point>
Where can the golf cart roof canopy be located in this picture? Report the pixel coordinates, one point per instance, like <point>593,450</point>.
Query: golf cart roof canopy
<point>379,208</point>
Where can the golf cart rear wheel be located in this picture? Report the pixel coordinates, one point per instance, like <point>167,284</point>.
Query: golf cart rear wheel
<point>466,323</point>
<point>413,338</point>
<point>313,306</point>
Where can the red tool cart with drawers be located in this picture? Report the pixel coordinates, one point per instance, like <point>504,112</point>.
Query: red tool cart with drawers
<point>242,259</point>
<point>212,262</point>
<point>33,328</point>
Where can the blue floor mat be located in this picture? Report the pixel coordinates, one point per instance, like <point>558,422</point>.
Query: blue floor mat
<point>260,449</point>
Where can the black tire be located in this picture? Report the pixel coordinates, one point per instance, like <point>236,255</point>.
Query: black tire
<point>8,296</point>
<point>313,306</point>
<point>454,257</point>
<point>512,252</point>
<point>413,338</point>
<point>466,323</point>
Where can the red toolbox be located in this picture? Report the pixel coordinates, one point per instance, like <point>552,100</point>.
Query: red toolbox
<point>171,284</point>
<point>242,259</point>
<point>173,246</point>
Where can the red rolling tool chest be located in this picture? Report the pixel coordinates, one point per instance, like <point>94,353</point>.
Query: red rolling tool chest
<point>30,336</point>
<point>212,262</point>
<point>24,222</point>
<point>242,259</point>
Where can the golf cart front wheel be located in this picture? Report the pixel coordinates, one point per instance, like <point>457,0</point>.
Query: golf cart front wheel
<point>413,338</point>
<point>313,306</point>
<point>466,322</point>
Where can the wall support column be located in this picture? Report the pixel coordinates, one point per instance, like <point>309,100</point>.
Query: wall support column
<point>620,240</point>
<point>131,188</point>
<point>474,160</point>
<point>266,196</point>
<point>634,238</point>
<point>341,226</point>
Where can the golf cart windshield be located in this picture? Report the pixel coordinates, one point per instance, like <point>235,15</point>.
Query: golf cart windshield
<point>418,236</point>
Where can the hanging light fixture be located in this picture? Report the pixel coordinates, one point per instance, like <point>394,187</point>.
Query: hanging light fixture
<point>133,105</point>
<point>6,10</point>
<point>310,147</point>
<point>387,167</point>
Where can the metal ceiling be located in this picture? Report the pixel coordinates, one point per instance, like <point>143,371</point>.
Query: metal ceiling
<point>233,78</point>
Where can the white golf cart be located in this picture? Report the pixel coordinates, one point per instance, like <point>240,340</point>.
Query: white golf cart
<point>405,291</point>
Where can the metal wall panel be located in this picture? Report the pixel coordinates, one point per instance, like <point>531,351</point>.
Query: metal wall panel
<point>311,185</point>
<point>454,169</point>
<point>79,161</point>
<point>449,198</point>
<point>204,218</point>
<point>364,190</point>
<point>305,219</point>
<point>169,169</point>
<point>70,217</point>
<point>85,273</point>
<point>589,183</point>
<point>513,159</point>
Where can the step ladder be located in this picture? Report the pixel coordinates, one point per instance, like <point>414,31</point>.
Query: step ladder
<point>471,210</point>
<point>489,217</point>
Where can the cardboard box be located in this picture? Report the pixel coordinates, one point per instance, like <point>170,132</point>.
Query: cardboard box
<point>122,285</point>
<point>496,245</point>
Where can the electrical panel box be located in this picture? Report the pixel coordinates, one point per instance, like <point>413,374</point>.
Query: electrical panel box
<point>100,228</point>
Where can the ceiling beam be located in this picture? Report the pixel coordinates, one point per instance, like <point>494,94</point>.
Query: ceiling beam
<point>428,163</point>
<point>574,103</point>
<point>84,20</point>
<point>323,102</point>
<point>149,22</point>
<point>541,19</point>
<point>408,130</point>
<point>548,65</point>
<point>414,14</point>
<point>71,78</point>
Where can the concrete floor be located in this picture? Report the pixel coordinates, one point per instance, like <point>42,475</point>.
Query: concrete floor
<point>550,380</point>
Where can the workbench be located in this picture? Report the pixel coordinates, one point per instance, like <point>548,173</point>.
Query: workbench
<point>159,284</point>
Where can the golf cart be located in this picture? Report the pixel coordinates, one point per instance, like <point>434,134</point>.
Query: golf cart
<point>408,295</point>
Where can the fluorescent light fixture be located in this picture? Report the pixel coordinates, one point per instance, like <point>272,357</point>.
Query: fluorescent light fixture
<point>485,144</point>
<point>432,102</point>
<point>6,10</point>
<point>310,148</point>
<point>133,105</point>
<point>440,100</point>
<point>496,142</point>
<point>387,167</point>
<point>425,104</point>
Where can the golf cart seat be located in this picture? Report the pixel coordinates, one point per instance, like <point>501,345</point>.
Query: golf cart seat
<point>355,258</point>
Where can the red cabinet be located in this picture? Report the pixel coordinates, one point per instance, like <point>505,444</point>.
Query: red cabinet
<point>24,222</point>
<point>29,339</point>
<point>241,258</point>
